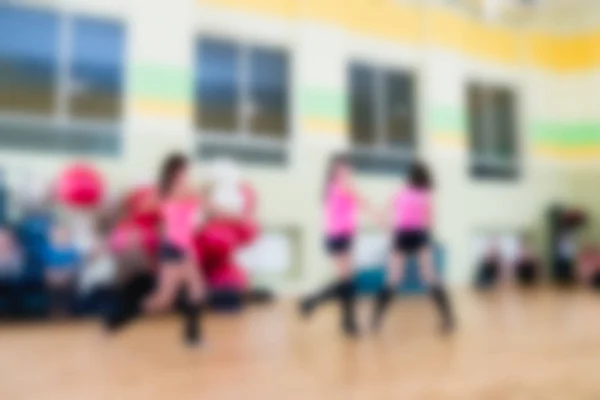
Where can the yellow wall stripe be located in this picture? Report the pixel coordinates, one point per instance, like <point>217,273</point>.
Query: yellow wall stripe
<point>386,19</point>
<point>568,154</point>
<point>454,31</point>
<point>449,140</point>
<point>563,54</point>
<point>390,20</point>
<point>281,8</point>
<point>324,126</point>
<point>162,109</point>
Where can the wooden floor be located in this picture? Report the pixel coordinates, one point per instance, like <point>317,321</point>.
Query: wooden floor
<point>510,345</point>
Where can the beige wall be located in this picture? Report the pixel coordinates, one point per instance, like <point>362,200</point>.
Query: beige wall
<point>290,196</point>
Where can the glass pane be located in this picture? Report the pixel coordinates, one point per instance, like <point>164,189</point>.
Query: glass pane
<point>96,69</point>
<point>504,138</point>
<point>401,110</point>
<point>28,60</point>
<point>267,110</point>
<point>477,120</point>
<point>217,89</point>
<point>362,105</point>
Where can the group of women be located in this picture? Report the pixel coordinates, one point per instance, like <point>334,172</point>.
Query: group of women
<point>409,217</point>
<point>183,211</point>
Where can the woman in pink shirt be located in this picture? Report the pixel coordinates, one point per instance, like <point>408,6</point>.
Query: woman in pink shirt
<point>180,215</point>
<point>412,217</point>
<point>342,203</point>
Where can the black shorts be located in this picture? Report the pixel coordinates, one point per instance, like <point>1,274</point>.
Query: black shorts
<point>170,253</point>
<point>338,244</point>
<point>411,241</point>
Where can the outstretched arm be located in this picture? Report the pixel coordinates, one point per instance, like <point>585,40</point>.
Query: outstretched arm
<point>380,218</point>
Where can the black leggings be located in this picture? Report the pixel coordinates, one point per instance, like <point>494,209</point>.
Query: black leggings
<point>9,298</point>
<point>126,300</point>
<point>127,305</point>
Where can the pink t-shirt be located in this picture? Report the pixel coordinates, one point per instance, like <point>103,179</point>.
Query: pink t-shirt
<point>412,209</point>
<point>180,218</point>
<point>340,211</point>
<point>120,238</point>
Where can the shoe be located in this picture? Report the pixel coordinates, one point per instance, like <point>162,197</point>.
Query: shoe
<point>350,329</point>
<point>306,308</point>
<point>448,326</point>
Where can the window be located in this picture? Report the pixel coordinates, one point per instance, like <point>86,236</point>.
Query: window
<point>382,117</point>
<point>96,70</point>
<point>61,66</point>
<point>382,108</point>
<point>218,90</point>
<point>28,61</point>
<point>492,128</point>
<point>267,112</point>
<point>241,90</point>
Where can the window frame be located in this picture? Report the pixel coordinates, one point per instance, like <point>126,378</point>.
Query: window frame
<point>383,155</point>
<point>243,136</point>
<point>60,116</point>
<point>494,166</point>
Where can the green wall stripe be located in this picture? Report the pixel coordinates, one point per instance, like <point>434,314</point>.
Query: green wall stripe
<point>169,83</point>
<point>447,119</point>
<point>567,134</point>
<point>323,103</point>
<point>162,82</point>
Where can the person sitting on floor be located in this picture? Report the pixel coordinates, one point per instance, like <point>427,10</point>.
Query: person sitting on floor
<point>11,257</point>
<point>11,271</point>
<point>135,275</point>
<point>61,262</point>
<point>588,266</point>
<point>489,270</point>
<point>98,273</point>
<point>527,266</point>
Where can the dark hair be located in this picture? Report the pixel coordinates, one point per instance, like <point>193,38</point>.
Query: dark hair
<point>339,159</point>
<point>172,165</point>
<point>419,176</point>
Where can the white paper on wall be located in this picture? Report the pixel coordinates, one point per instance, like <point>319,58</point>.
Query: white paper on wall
<point>371,249</point>
<point>508,244</point>
<point>272,253</point>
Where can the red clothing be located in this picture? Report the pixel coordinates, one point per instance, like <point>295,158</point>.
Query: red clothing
<point>142,229</point>
<point>216,245</point>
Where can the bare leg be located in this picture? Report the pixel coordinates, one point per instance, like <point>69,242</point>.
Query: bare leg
<point>169,282</point>
<point>395,269</point>
<point>438,292</point>
<point>395,274</point>
<point>343,265</point>
<point>427,267</point>
<point>194,283</point>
